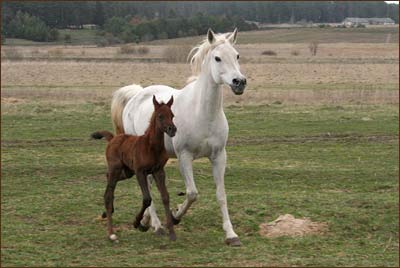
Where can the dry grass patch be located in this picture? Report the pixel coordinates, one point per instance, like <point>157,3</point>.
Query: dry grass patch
<point>176,53</point>
<point>288,225</point>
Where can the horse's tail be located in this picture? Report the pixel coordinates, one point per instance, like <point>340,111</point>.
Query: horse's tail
<point>119,100</point>
<point>102,134</point>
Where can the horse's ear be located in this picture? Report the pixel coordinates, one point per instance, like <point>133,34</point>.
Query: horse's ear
<point>171,100</point>
<point>155,102</point>
<point>210,36</point>
<point>232,36</point>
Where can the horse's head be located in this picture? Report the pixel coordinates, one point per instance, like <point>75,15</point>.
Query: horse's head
<point>164,116</point>
<point>224,61</point>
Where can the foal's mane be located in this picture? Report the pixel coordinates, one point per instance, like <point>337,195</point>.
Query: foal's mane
<point>199,53</point>
<point>153,120</point>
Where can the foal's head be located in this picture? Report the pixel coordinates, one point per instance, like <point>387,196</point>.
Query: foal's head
<point>163,116</point>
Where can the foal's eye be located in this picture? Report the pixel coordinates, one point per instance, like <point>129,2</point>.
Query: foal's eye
<point>237,56</point>
<point>218,59</point>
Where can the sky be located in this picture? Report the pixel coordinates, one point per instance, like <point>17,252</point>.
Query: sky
<point>392,2</point>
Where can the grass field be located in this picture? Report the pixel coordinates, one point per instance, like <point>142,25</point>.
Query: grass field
<point>313,138</point>
<point>332,164</point>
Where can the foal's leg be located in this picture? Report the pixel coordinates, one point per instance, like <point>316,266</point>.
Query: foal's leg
<point>150,216</point>
<point>186,168</point>
<point>112,179</point>
<point>160,180</point>
<point>218,160</point>
<point>126,173</point>
<point>141,177</point>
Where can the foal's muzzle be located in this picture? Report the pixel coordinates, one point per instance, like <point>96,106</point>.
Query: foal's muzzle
<point>171,131</point>
<point>238,86</point>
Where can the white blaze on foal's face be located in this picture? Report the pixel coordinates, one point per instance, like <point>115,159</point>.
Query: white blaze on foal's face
<point>224,63</point>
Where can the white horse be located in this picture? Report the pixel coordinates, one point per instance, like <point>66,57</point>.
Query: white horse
<point>199,118</point>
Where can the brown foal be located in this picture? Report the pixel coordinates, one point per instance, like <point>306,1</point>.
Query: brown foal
<point>128,155</point>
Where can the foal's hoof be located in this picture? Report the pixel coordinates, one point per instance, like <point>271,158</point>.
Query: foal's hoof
<point>160,231</point>
<point>233,242</point>
<point>104,215</point>
<point>172,237</point>
<point>175,221</point>
<point>143,228</point>
<point>114,238</point>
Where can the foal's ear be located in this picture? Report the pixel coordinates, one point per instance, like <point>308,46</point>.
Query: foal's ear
<point>171,100</point>
<point>155,102</point>
<point>210,36</point>
<point>232,36</point>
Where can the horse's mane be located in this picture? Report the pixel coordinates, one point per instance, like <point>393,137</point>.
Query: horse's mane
<point>199,52</point>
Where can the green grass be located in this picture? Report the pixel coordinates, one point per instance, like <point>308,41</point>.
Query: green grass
<point>78,37</point>
<point>333,164</point>
<point>81,36</point>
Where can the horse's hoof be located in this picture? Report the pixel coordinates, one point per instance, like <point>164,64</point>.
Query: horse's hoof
<point>175,221</point>
<point>143,228</point>
<point>104,215</point>
<point>172,237</point>
<point>136,224</point>
<point>160,231</point>
<point>114,238</point>
<point>233,242</point>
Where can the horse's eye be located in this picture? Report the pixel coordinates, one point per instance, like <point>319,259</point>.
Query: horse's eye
<point>237,56</point>
<point>218,59</point>
<point>161,117</point>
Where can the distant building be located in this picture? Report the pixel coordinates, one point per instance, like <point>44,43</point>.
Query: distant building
<point>89,26</point>
<point>351,22</point>
<point>384,21</point>
<point>256,23</point>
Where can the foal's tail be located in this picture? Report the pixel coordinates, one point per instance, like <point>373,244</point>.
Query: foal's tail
<point>102,134</point>
<point>119,100</point>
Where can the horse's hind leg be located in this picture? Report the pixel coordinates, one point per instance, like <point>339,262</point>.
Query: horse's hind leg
<point>160,180</point>
<point>141,177</point>
<point>112,179</point>
<point>126,173</point>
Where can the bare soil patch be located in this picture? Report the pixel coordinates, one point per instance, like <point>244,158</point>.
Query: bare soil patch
<point>11,100</point>
<point>288,225</point>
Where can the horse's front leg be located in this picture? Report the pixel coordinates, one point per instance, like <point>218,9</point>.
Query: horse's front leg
<point>159,177</point>
<point>142,180</point>
<point>186,168</point>
<point>218,161</point>
<point>150,217</point>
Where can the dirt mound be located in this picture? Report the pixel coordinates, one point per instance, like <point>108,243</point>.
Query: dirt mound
<point>287,225</point>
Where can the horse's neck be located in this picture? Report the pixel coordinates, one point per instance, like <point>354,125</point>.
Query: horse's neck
<point>207,97</point>
<point>155,137</point>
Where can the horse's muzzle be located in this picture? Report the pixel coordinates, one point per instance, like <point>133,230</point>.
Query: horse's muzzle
<point>238,86</point>
<point>171,131</point>
<point>238,89</point>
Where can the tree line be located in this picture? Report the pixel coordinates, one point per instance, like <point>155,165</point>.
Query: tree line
<point>172,19</point>
<point>165,28</point>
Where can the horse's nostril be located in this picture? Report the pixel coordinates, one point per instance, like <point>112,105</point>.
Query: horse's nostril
<point>244,81</point>
<point>235,81</point>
